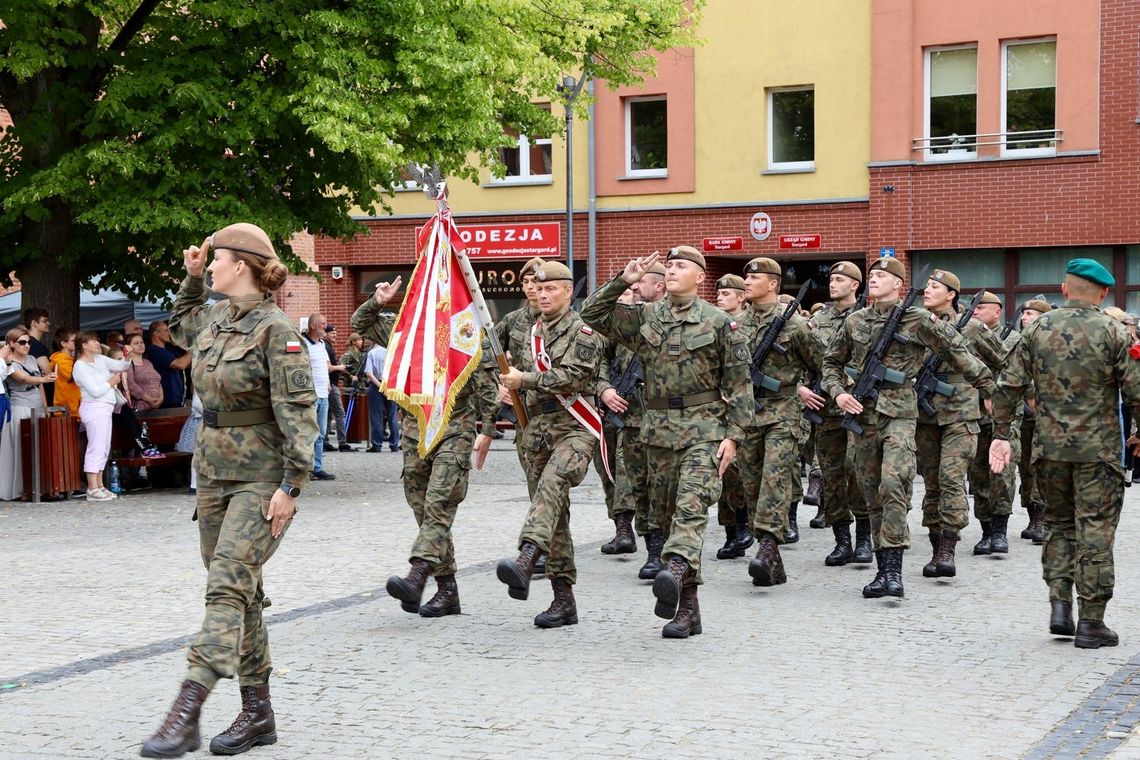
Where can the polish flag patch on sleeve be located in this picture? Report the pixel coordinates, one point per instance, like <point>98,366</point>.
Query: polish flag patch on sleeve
<point>587,330</point>
<point>292,346</point>
<point>732,325</point>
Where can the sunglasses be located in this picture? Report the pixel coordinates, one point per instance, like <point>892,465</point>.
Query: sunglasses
<point>23,342</point>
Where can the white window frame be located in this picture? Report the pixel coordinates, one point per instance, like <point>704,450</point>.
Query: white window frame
<point>957,154</point>
<point>787,166</point>
<point>525,176</point>
<point>1026,152</point>
<point>643,173</point>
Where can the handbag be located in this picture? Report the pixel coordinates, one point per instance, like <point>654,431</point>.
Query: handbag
<point>120,401</point>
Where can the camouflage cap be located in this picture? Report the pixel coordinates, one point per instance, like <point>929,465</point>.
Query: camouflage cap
<point>990,297</point>
<point>947,278</point>
<point>847,269</point>
<point>246,238</point>
<point>762,265</point>
<point>1093,271</point>
<point>688,253</point>
<point>1038,305</point>
<point>735,282</point>
<point>891,266</point>
<point>530,267</point>
<point>657,268</point>
<point>553,270</point>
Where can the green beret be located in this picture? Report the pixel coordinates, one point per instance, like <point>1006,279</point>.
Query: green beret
<point>531,267</point>
<point>1090,270</point>
<point>847,269</point>
<point>891,266</point>
<point>551,271</point>
<point>989,297</point>
<point>947,278</point>
<point>762,265</point>
<point>688,253</point>
<point>732,281</point>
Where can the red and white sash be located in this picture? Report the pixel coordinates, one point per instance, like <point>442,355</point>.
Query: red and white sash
<point>578,407</point>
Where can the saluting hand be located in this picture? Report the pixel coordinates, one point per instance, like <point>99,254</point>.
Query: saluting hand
<point>195,258</point>
<point>385,290</point>
<point>999,456</point>
<point>637,268</point>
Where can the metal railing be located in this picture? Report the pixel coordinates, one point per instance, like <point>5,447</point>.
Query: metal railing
<point>954,143</point>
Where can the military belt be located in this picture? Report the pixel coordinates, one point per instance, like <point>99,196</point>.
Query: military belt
<point>213,419</point>
<point>549,406</point>
<point>682,402</point>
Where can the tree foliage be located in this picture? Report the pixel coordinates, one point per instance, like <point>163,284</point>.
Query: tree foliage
<point>140,125</point>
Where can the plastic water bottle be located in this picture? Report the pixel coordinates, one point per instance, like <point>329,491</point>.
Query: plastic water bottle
<point>116,479</point>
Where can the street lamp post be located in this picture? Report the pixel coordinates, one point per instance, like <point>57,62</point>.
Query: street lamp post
<point>570,89</point>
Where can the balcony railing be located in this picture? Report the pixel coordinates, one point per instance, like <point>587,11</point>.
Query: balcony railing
<point>954,145</point>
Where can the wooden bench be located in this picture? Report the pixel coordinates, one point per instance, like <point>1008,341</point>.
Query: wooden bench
<point>164,426</point>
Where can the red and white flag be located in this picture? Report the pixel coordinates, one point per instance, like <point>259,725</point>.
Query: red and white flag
<point>436,340</point>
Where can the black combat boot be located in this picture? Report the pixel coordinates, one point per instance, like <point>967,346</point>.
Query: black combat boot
<point>792,535</point>
<point>820,519</point>
<point>446,599</point>
<point>179,733</point>
<point>930,569</point>
<point>539,566</point>
<point>1027,531</point>
<point>878,587</point>
<point>667,586</point>
<point>1038,525</point>
<point>610,547</point>
<point>1061,619</point>
<point>730,550</point>
<point>767,568</point>
<point>998,542</point>
<point>744,537</point>
<point>517,573</point>
<point>863,551</point>
<point>624,541</point>
<point>814,489</point>
<point>985,546</point>
<point>892,566</point>
<point>410,590</point>
<point>654,542</point>
<point>562,611</point>
<point>687,621</point>
<point>944,564</point>
<point>1094,634</point>
<point>842,553</point>
<point>253,727</point>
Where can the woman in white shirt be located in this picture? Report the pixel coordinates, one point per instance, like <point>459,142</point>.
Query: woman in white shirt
<point>25,393</point>
<point>98,377</point>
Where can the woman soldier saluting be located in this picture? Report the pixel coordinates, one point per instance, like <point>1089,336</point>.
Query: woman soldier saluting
<point>254,453</point>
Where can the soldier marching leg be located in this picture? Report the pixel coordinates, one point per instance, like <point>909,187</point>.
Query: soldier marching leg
<point>1003,487</point>
<point>928,450</point>
<point>623,541</point>
<point>837,496</point>
<point>884,459</point>
<point>773,464</point>
<point>732,513</point>
<point>959,442</point>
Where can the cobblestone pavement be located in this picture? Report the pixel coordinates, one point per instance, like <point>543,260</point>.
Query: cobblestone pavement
<point>99,600</point>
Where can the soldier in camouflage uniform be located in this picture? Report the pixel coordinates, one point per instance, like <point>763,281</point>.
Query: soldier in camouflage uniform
<point>557,447</point>
<point>612,405</point>
<point>698,406</point>
<point>946,442</point>
<point>435,485</point>
<point>1076,359</point>
<point>254,454</point>
<point>769,455</point>
<point>884,453</point>
<point>841,496</point>
<point>733,511</point>
<point>1029,490</point>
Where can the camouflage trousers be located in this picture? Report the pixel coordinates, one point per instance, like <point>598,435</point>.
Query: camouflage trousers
<point>1030,490</point>
<point>560,456</point>
<point>993,494</point>
<point>731,505</point>
<point>686,483</point>
<point>434,488</point>
<point>632,477</point>
<point>608,486</point>
<point>944,456</point>
<point>1083,501</point>
<point>769,460</point>
<point>842,498</point>
<point>884,465</point>
<point>520,451</point>
<point>236,543</point>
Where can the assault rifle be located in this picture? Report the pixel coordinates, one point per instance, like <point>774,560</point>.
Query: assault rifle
<point>628,386</point>
<point>816,383</point>
<point>927,383</point>
<point>768,343</point>
<point>874,373</point>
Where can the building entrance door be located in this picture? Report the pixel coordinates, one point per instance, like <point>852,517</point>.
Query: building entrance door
<point>797,271</point>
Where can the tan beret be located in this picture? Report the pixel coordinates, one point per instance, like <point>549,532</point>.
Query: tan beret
<point>1114,312</point>
<point>530,267</point>
<point>246,238</point>
<point>688,253</point>
<point>785,299</point>
<point>1039,305</point>
<point>657,268</point>
<point>847,269</point>
<point>764,265</point>
<point>735,282</point>
<point>947,278</point>
<point>550,271</point>
<point>817,307</point>
<point>891,266</point>
<point>990,297</point>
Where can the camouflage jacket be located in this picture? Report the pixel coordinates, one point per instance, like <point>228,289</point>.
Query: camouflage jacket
<point>615,362</point>
<point>1076,358</point>
<point>965,404</point>
<point>801,359</point>
<point>684,352</point>
<point>513,332</point>
<point>824,325</point>
<point>574,350</point>
<point>248,356</point>
<point>352,360</point>
<point>477,401</point>
<point>858,335</point>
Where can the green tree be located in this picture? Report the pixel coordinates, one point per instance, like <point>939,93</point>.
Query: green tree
<point>138,124</point>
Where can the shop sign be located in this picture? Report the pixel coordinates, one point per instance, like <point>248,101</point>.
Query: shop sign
<point>512,241</point>
<point>714,244</point>
<point>800,242</point>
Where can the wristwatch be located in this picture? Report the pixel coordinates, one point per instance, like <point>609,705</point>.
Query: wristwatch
<point>292,491</point>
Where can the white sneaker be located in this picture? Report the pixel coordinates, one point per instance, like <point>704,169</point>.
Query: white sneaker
<point>97,494</point>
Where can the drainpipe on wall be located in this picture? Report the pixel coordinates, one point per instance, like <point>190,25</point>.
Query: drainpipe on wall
<point>592,199</point>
